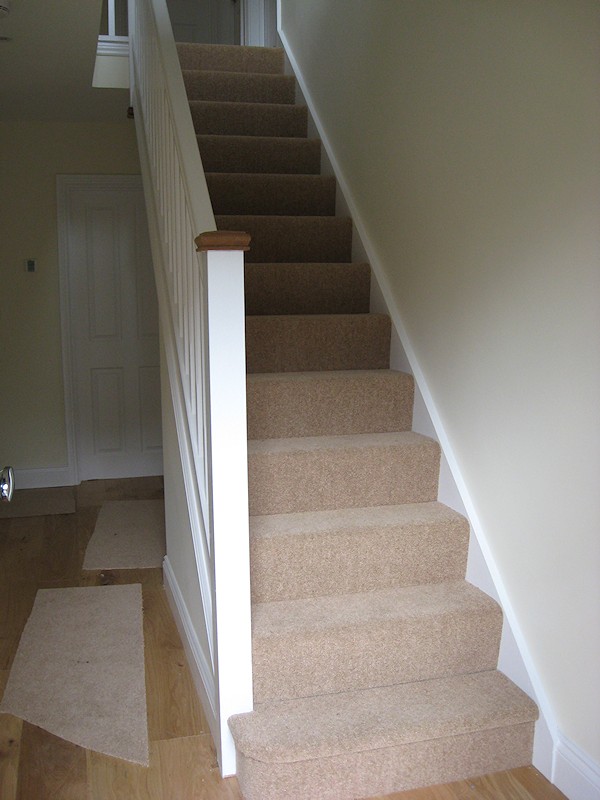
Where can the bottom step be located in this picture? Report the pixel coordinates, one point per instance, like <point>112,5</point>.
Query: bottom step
<point>378,741</point>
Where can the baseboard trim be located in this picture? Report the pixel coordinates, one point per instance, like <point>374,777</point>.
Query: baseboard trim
<point>44,478</point>
<point>199,665</point>
<point>574,772</point>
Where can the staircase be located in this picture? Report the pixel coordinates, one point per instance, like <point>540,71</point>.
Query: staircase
<point>374,661</point>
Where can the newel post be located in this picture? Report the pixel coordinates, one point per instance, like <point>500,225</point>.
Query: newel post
<point>229,479</point>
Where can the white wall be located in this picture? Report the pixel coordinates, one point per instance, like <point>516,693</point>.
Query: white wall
<point>468,136</point>
<point>32,423</point>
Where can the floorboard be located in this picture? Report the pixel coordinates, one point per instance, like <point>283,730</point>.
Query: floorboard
<point>50,767</point>
<point>10,750</point>
<point>43,552</point>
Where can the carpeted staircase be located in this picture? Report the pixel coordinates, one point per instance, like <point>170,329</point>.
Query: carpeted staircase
<point>374,660</point>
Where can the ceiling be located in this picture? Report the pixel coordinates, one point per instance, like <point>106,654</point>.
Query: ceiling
<point>46,70</point>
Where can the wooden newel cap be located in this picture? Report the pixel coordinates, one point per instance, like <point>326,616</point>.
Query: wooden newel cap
<point>222,240</point>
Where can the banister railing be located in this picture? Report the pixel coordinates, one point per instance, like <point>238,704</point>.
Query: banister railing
<point>202,325</point>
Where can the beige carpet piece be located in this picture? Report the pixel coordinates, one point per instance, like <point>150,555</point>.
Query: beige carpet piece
<point>79,669</point>
<point>129,534</point>
<point>39,502</point>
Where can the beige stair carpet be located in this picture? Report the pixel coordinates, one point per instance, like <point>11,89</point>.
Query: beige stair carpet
<point>259,154</point>
<point>373,659</point>
<point>79,670</point>
<point>129,534</point>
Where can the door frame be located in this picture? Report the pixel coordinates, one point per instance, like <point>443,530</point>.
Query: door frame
<point>257,23</point>
<point>65,184</point>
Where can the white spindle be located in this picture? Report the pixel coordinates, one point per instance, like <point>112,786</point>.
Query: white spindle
<point>112,28</point>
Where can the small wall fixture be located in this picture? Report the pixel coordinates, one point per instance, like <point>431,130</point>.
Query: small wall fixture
<point>7,484</point>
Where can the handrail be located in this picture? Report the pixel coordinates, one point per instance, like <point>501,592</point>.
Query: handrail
<point>202,324</point>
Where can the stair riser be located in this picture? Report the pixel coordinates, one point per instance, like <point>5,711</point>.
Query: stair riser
<point>235,87</point>
<point>302,343</point>
<point>254,154</point>
<point>303,195</point>
<point>391,769</point>
<point>374,654</point>
<point>286,482</point>
<point>300,566</point>
<point>278,239</point>
<point>248,119</point>
<point>307,289</point>
<point>231,58</point>
<point>325,405</point>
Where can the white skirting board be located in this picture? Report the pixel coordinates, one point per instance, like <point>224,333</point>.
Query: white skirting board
<point>199,664</point>
<point>574,772</point>
<point>44,478</point>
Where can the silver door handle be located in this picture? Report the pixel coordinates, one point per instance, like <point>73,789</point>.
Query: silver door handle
<point>7,484</point>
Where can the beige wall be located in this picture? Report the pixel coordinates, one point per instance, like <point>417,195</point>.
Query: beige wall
<point>32,425</point>
<point>468,134</point>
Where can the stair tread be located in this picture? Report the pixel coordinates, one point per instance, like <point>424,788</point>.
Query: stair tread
<point>321,615</point>
<point>312,264</point>
<point>351,519</point>
<point>368,719</point>
<point>234,75</point>
<point>313,342</point>
<point>248,119</point>
<point>330,402</point>
<point>271,177</point>
<point>275,194</point>
<point>285,108</point>
<point>245,87</point>
<point>358,441</point>
<point>326,472</point>
<point>316,553</point>
<point>288,218</point>
<point>307,288</point>
<point>227,57</point>
<point>291,238</point>
<point>265,154</point>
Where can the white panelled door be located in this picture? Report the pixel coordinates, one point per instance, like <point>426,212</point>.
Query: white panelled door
<point>111,326</point>
<point>212,21</point>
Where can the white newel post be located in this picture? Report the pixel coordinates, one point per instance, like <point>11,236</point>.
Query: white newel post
<point>224,253</point>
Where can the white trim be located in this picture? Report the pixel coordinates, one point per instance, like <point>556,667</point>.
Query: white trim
<point>229,479</point>
<point>574,772</point>
<point>44,478</point>
<point>540,696</point>
<point>200,667</point>
<point>113,46</point>
<point>252,23</point>
<point>63,184</point>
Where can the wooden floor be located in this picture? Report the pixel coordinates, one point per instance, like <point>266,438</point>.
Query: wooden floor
<point>46,552</point>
